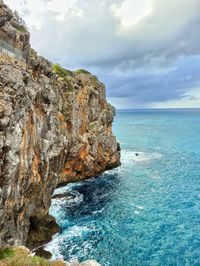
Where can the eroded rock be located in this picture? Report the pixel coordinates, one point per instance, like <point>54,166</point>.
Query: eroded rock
<point>52,131</point>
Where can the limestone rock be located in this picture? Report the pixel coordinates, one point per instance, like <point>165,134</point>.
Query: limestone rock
<point>14,37</point>
<point>5,14</point>
<point>52,131</point>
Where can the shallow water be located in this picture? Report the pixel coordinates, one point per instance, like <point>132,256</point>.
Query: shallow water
<point>146,212</point>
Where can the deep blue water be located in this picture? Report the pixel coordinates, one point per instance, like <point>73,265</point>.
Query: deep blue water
<point>147,212</point>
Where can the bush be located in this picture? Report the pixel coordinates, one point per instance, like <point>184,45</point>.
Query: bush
<point>61,72</point>
<point>93,125</point>
<point>26,261</point>
<point>9,257</point>
<point>23,29</point>
<point>82,71</point>
<point>6,253</point>
<point>39,261</point>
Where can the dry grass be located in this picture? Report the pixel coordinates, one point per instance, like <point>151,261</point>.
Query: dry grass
<point>20,257</point>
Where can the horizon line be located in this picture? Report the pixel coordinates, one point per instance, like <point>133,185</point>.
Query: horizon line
<point>169,108</point>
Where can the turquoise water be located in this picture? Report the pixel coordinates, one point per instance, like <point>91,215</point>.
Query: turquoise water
<point>147,212</point>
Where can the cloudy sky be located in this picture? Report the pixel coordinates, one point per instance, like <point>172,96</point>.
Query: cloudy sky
<point>147,52</point>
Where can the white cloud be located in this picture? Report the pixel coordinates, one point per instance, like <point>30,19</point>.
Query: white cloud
<point>113,32</point>
<point>35,12</point>
<point>130,11</point>
<point>15,5</point>
<point>60,6</point>
<point>118,36</point>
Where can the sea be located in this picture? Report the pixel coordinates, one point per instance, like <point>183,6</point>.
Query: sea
<point>147,211</point>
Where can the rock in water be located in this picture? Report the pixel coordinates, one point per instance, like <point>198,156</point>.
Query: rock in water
<point>40,252</point>
<point>55,128</point>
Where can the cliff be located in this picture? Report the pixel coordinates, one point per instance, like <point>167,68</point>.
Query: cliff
<point>55,128</point>
<point>14,36</point>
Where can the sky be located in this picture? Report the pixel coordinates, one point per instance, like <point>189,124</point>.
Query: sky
<point>147,52</point>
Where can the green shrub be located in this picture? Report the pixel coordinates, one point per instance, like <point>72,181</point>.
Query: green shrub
<point>6,253</point>
<point>69,85</point>
<point>93,125</point>
<point>82,71</point>
<point>61,72</point>
<point>20,258</point>
<point>26,261</point>
<point>39,261</point>
<point>32,54</point>
<point>23,29</point>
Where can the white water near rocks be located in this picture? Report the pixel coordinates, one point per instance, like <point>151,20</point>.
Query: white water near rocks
<point>147,211</point>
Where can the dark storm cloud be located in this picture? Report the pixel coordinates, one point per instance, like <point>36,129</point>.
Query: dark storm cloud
<point>157,86</point>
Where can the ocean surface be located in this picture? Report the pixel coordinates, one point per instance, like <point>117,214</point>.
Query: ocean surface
<point>146,212</point>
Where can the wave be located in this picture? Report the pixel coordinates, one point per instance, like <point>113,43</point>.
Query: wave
<point>54,247</point>
<point>140,207</point>
<point>67,188</point>
<point>73,198</point>
<point>99,211</point>
<point>67,236</point>
<point>137,212</point>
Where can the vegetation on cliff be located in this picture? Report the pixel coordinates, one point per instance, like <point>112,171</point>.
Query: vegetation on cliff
<point>61,72</point>
<point>21,256</point>
<point>64,74</point>
<point>82,71</point>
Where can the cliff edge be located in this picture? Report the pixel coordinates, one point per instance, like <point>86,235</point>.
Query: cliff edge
<point>55,128</point>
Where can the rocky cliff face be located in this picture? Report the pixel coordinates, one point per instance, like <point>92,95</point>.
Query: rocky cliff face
<point>53,131</point>
<point>13,32</point>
